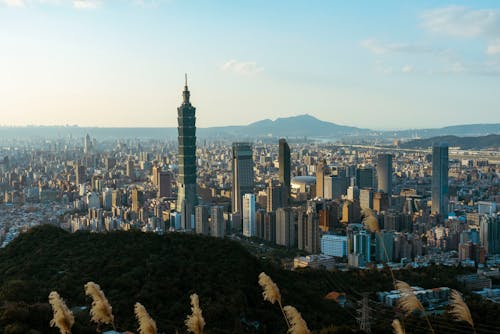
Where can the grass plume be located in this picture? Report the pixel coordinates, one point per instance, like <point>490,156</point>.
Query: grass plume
<point>409,302</point>
<point>101,311</point>
<point>370,220</point>
<point>397,327</point>
<point>297,323</point>
<point>271,293</point>
<point>195,321</point>
<point>63,317</point>
<point>146,324</point>
<point>459,309</point>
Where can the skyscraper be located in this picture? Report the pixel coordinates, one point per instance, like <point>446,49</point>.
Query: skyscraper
<point>249,215</point>
<point>321,171</point>
<point>364,177</point>
<point>164,184</point>
<point>80,175</point>
<point>284,165</point>
<point>440,179</point>
<point>201,217</point>
<point>243,178</point>
<point>186,193</point>
<point>384,173</point>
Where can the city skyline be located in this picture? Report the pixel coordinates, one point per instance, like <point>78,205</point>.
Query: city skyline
<point>118,63</point>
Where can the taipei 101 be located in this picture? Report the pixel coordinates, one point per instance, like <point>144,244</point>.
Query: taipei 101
<point>249,167</point>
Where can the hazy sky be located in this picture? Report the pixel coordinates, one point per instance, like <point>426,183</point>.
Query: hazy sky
<point>373,64</point>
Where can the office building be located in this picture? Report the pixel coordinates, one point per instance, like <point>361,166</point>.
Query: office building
<point>334,245</point>
<point>366,198</point>
<point>364,177</point>
<point>249,215</point>
<point>384,246</point>
<point>243,176</point>
<point>321,172</point>
<point>137,199</point>
<point>164,184</point>
<point>489,233</point>
<point>80,175</point>
<point>186,179</point>
<point>201,218</point>
<point>217,222</point>
<point>285,227</point>
<point>362,245</point>
<point>384,173</point>
<point>284,170</point>
<point>440,179</point>
<point>274,196</point>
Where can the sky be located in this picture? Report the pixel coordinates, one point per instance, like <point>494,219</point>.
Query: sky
<point>370,64</point>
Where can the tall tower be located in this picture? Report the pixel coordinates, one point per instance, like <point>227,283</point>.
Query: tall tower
<point>186,196</point>
<point>440,179</point>
<point>384,173</point>
<point>243,178</point>
<point>284,164</point>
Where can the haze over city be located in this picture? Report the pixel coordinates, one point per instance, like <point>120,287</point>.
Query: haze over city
<point>387,64</point>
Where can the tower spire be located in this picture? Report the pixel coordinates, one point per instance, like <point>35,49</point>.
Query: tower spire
<point>186,94</point>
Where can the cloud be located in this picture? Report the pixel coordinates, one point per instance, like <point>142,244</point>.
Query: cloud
<point>408,69</point>
<point>460,21</point>
<point>13,3</point>
<point>493,48</point>
<point>242,68</point>
<point>86,4</point>
<point>379,48</point>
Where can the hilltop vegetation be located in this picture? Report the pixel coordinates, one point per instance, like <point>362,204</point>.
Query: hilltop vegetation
<point>161,272</point>
<point>465,143</point>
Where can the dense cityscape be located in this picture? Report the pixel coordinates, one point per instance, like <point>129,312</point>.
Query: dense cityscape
<point>432,208</point>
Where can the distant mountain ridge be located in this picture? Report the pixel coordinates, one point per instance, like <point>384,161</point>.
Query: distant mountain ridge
<point>292,127</point>
<point>466,143</point>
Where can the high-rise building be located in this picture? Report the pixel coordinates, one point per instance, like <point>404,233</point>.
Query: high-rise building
<point>364,177</point>
<point>186,182</point>
<point>334,245</point>
<point>217,222</point>
<point>384,246</point>
<point>285,227</point>
<point>130,170</point>
<point>243,177</point>
<point>80,175</point>
<point>321,171</point>
<point>284,166</point>
<point>274,197</point>
<point>249,215</point>
<point>384,173</point>
<point>489,233</point>
<point>87,144</point>
<point>440,179</point>
<point>366,198</point>
<point>308,231</point>
<point>164,184</point>
<point>201,218</point>
<point>137,199</point>
<point>270,227</point>
<point>362,245</point>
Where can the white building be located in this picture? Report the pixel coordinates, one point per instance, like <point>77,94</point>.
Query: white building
<point>334,245</point>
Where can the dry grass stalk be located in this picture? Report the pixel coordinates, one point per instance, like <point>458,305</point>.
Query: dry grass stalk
<point>146,324</point>
<point>271,291</point>
<point>101,311</point>
<point>408,302</point>
<point>397,327</point>
<point>63,317</point>
<point>297,323</point>
<point>459,309</point>
<point>370,220</point>
<point>195,321</point>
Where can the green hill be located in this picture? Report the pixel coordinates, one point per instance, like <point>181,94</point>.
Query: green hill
<point>161,272</point>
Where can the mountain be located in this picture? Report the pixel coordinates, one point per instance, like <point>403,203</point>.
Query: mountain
<point>291,127</point>
<point>465,143</point>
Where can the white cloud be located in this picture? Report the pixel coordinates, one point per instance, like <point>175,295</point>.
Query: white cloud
<point>462,21</point>
<point>13,3</point>
<point>407,69</point>
<point>377,47</point>
<point>242,68</point>
<point>493,48</point>
<point>86,4</point>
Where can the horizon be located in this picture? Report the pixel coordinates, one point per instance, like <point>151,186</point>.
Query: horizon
<point>121,63</point>
<point>231,125</point>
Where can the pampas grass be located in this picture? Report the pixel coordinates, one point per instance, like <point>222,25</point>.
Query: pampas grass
<point>459,309</point>
<point>409,303</point>
<point>271,293</point>
<point>101,311</point>
<point>397,328</point>
<point>146,324</point>
<point>297,323</point>
<point>370,220</point>
<point>195,321</point>
<point>63,317</point>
